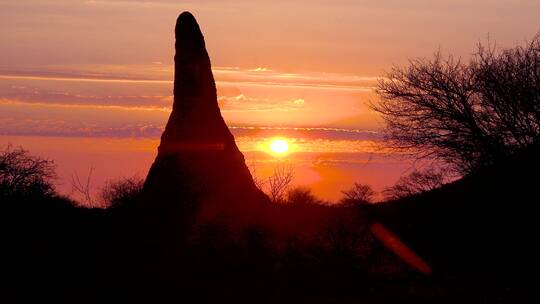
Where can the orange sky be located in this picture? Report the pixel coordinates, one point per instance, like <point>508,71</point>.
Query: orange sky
<point>85,82</point>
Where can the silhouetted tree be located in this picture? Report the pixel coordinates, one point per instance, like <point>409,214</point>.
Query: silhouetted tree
<point>279,183</point>
<point>83,188</point>
<point>416,182</point>
<point>358,194</point>
<point>466,114</point>
<point>118,192</point>
<point>302,196</point>
<point>22,174</point>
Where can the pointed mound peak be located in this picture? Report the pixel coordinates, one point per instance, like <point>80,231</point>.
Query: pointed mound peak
<point>189,38</point>
<point>186,19</point>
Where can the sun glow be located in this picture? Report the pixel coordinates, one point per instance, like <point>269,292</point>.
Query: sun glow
<point>279,146</point>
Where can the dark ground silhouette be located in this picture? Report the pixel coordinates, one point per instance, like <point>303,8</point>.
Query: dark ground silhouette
<point>200,231</point>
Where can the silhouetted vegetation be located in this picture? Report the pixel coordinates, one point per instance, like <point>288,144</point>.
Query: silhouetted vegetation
<point>83,188</point>
<point>357,195</point>
<point>467,114</point>
<point>416,182</point>
<point>279,183</point>
<point>302,195</point>
<point>300,248</point>
<point>117,193</point>
<point>24,175</point>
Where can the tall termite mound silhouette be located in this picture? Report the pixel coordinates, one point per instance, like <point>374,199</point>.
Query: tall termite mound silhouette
<point>198,164</point>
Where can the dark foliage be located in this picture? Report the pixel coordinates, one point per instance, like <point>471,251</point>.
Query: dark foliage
<point>477,243</point>
<point>117,193</point>
<point>416,182</point>
<point>22,174</point>
<point>359,194</point>
<point>302,195</point>
<point>466,114</point>
<point>476,232</point>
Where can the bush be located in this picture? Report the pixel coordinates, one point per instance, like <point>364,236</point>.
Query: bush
<point>301,196</point>
<point>357,195</point>
<point>416,182</point>
<point>22,174</point>
<point>119,192</point>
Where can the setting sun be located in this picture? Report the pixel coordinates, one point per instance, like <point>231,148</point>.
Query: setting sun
<point>279,146</point>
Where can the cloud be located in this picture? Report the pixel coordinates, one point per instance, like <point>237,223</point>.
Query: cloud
<point>63,128</point>
<point>35,94</point>
<point>309,133</point>
<point>160,73</point>
<point>21,118</point>
<point>134,95</point>
<point>259,69</point>
<point>242,102</point>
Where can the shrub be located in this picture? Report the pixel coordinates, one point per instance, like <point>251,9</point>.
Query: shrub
<point>301,196</point>
<point>358,194</point>
<point>22,174</point>
<point>119,192</point>
<point>416,182</point>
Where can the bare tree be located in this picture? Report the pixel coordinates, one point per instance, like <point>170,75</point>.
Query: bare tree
<point>83,188</point>
<point>466,114</point>
<point>358,194</point>
<point>23,174</point>
<point>416,182</point>
<point>279,182</point>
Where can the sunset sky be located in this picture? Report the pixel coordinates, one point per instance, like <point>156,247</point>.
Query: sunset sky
<point>89,83</point>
